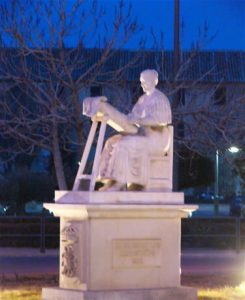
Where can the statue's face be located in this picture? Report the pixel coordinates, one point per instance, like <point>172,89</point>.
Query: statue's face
<point>147,83</point>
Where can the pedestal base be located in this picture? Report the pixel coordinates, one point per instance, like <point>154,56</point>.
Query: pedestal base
<point>116,247</point>
<point>120,250</point>
<point>171,293</point>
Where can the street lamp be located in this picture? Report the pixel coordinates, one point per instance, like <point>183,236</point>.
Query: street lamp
<point>232,149</point>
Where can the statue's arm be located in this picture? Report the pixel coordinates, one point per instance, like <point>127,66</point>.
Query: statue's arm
<point>144,121</point>
<point>156,114</point>
<point>116,119</point>
<point>99,110</point>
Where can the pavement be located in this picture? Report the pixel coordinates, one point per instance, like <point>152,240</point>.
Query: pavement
<point>26,261</point>
<point>208,261</point>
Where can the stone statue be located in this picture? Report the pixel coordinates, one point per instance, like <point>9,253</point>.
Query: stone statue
<point>124,161</point>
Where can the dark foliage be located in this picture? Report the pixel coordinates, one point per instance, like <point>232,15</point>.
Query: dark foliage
<point>195,170</point>
<point>23,186</point>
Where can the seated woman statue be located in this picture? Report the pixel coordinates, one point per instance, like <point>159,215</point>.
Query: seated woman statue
<point>125,158</point>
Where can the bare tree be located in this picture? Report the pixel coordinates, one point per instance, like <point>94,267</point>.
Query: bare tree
<point>45,56</point>
<point>208,114</point>
<point>54,49</point>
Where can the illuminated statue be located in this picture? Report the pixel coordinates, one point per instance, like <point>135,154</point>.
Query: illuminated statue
<point>125,158</point>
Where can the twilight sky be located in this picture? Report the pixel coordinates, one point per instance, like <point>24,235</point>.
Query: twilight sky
<point>225,20</point>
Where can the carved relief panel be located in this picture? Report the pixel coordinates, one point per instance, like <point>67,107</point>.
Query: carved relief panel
<point>69,239</point>
<point>71,254</point>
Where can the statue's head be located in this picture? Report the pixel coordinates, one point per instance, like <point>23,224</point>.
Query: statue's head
<point>149,80</point>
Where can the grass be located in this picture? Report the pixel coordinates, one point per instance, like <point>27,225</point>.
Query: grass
<point>217,287</point>
<point>209,287</point>
<point>21,294</point>
<point>224,293</point>
<point>25,287</point>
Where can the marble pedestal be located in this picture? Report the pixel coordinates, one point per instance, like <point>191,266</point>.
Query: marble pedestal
<point>120,245</point>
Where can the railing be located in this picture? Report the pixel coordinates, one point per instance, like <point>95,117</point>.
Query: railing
<point>236,234</point>
<point>42,235</point>
<point>41,222</point>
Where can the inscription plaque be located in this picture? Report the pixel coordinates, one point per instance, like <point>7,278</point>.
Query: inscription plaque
<point>136,253</point>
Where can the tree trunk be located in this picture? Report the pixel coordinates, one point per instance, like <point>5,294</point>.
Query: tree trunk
<point>78,116</point>
<point>58,163</point>
<point>176,98</point>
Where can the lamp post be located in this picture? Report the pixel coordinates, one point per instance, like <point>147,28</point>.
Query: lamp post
<point>216,184</point>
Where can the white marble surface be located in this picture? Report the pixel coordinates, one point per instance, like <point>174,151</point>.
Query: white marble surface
<point>126,159</point>
<point>149,198</point>
<point>171,293</point>
<point>83,211</point>
<point>119,246</point>
<point>128,241</point>
<point>143,154</point>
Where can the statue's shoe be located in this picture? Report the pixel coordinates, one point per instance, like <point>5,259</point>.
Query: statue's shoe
<point>135,187</point>
<point>113,187</point>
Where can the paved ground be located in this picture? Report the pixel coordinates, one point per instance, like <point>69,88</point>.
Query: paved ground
<point>201,261</point>
<point>194,261</point>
